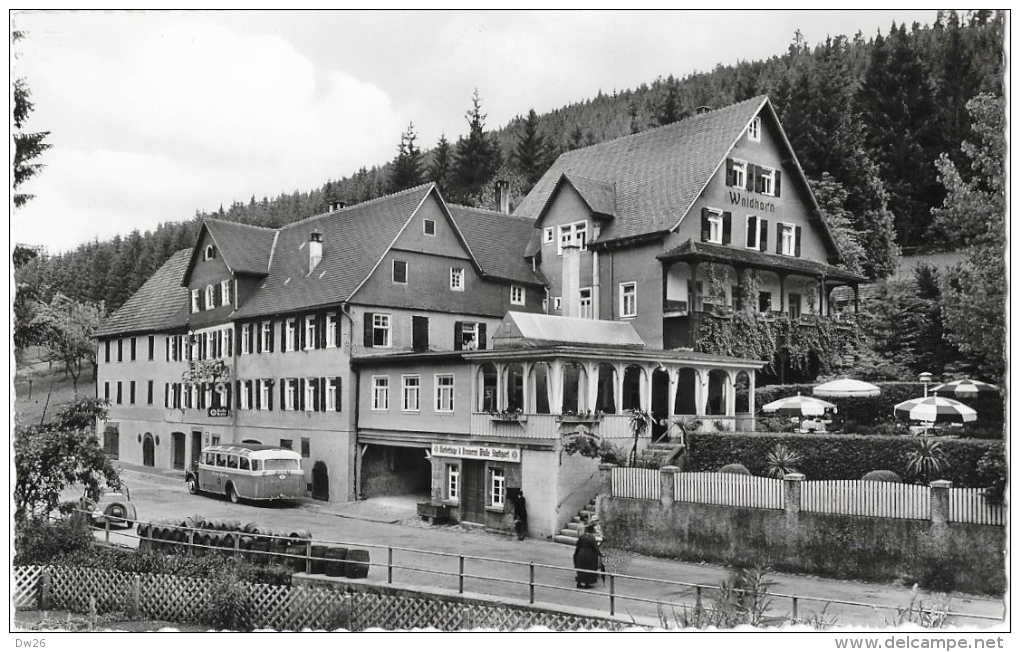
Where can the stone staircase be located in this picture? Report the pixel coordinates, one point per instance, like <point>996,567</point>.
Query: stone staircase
<point>572,530</point>
<point>660,454</point>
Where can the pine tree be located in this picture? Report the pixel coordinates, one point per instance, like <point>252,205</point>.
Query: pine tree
<point>441,166</point>
<point>28,146</point>
<point>532,151</point>
<point>667,108</point>
<point>477,158</point>
<point>406,169</point>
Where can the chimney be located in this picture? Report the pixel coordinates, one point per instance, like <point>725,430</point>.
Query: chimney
<point>571,281</point>
<point>702,110</point>
<point>314,249</point>
<point>334,206</point>
<point>503,196</point>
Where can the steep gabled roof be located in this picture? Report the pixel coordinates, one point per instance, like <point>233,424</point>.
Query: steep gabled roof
<point>244,248</point>
<point>354,241</point>
<point>161,304</point>
<point>657,174</point>
<point>497,242</point>
<point>600,196</point>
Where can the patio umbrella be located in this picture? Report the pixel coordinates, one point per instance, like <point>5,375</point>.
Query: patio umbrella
<point>933,409</point>
<point>799,405</point>
<point>846,387</point>
<point>965,388</point>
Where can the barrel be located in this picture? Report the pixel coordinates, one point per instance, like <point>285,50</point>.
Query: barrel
<point>357,563</point>
<point>232,526</point>
<point>144,535</point>
<point>202,541</point>
<point>195,522</point>
<point>318,561</point>
<point>335,561</point>
<point>300,535</point>
<point>251,528</point>
<point>227,540</point>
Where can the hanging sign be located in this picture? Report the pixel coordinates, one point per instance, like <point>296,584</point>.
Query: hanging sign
<point>219,412</point>
<point>475,452</point>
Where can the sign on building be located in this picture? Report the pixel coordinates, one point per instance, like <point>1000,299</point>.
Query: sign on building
<point>472,452</point>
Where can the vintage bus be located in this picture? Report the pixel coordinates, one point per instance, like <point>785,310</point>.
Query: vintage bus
<point>247,472</point>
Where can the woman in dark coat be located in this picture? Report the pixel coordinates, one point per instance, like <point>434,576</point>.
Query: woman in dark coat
<point>586,558</point>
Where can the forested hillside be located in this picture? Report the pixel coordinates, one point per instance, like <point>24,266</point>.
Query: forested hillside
<point>874,112</point>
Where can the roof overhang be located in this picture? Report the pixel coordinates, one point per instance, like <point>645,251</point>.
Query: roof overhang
<point>691,251</point>
<point>615,355</point>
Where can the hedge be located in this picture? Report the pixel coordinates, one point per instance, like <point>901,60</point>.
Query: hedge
<point>869,411</point>
<point>839,457</point>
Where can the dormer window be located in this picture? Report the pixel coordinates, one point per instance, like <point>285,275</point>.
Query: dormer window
<point>210,252</point>
<point>573,234</point>
<point>754,130</point>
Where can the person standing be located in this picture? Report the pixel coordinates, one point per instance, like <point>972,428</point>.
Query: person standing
<point>586,558</point>
<point>520,515</point>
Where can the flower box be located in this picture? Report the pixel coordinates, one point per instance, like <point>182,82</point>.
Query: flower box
<point>434,513</point>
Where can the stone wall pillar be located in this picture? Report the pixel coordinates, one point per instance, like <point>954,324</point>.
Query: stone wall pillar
<point>792,493</point>
<point>605,486</point>
<point>667,485</point>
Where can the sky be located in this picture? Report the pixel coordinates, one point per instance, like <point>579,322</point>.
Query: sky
<point>154,115</point>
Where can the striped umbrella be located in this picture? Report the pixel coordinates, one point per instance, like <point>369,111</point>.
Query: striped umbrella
<point>799,405</point>
<point>965,388</point>
<point>846,387</point>
<point>934,408</point>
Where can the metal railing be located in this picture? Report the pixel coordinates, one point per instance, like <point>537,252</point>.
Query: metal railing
<point>612,599</point>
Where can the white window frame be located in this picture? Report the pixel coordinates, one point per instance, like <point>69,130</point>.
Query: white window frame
<point>210,295</point>
<point>573,233</point>
<point>225,336</point>
<point>194,300</point>
<point>225,293</point>
<point>208,395</point>
<point>330,330</point>
<point>787,236</point>
<point>290,335</point>
<point>739,174</point>
<point>425,230</point>
<point>210,253</point>
<point>445,392</point>
<point>309,395</point>
<point>715,226</point>
<point>497,487</point>
<point>331,394</point>
<point>557,303</point>
<point>393,272</point>
<point>382,322</point>
<point>409,390</point>
<point>265,391</point>
<point>289,394</point>
<point>768,178</point>
<point>628,290</point>
<point>469,328</point>
<point>586,304</point>
<point>223,396</point>
<point>266,335</point>
<point>242,395</point>
<point>311,326</point>
<point>245,334</point>
<point>548,235</point>
<point>754,130</point>
<point>518,295</point>
<point>453,482</point>
<point>380,393</point>
<point>457,279</point>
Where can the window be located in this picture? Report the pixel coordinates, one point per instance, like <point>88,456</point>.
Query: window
<point>757,233</point>
<point>120,350</point>
<point>134,348</point>
<point>557,304</point>
<point>120,392</point>
<point>766,181</point>
<point>245,464</point>
<point>453,481</point>
<point>106,391</point>
<point>628,299</point>
<point>210,297</point>
<point>210,252</point>
<point>794,305</point>
<point>380,392</point>
<point>457,279</point>
<point>266,335</point>
<point>243,387</point>
<point>428,227</point>
<point>468,336</point>
<point>311,386</point>
<point>245,334</point>
<point>311,332</point>
<point>265,397</point>
<point>497,487</point>
<point>444,393</point>
<point>516,295</point>
<point>764,301</point>
<point>331,330</point>
<point>148,394</point>
<point>715,227</point>
<point>738,174</point>
<point>575,234</point>
<point>586,306</point>
<point>306,447</point>
<point>194,301</point>
<point>287,444</point>
<point>225,298</point>
<point>400,272</point>
<point>754,130</point>
<point>332,384</point>
<point>548,235</point>
<point>381,330</point>
<point>107,358</point>
<point>289,393</point>
<point>411,393</point>
<point>226,342</point>
<point>152,347</point>
<point>207,395</point>
<point>290,333</point>
<point>787,241</point>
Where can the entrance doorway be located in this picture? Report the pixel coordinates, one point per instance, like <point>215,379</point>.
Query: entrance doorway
<point>148,451</point>
<point>473,505</point>
<point>320,481</point>
<point>660,404</point>
<point>196,446</point>
<point>178,446</point>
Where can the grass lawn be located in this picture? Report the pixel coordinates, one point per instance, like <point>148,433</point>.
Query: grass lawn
<point>38,386</point>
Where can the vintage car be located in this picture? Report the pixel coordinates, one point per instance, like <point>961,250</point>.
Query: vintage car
<point>113,506</point>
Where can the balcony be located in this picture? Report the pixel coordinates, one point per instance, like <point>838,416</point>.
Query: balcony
<point>548,427</point>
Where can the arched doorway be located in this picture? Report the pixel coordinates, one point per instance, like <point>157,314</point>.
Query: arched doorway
<point>541,401</point>
<point>660,403</point>
<point>605,399</point>
<point>487,388</point>
<point>686,392</point>
<point>742,388</point>
<point>320,481</point>
<point>574,390</point>
<point>515,387</point>
<point>148,450</point>
<point>718,382</point>
<point>633,376</point>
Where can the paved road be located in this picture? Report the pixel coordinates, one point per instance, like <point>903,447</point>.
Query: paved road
<point>369,524</point>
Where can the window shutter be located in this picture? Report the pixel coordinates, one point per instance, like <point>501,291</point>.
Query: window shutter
<point>316,402</point>
<point>796,241</point>
<point>230,396</point>
<point>779,239</point>
<point>283,338</point>
<point>248,388</point>
<point>336,327</point>
<point>166,395</point>
<point>729,172</point>
<point>283,393</point>
<point>338,394</point>
<point>320,394</point>
<point>727,227</point>
<point>301,393</point>
<point>752,221</point>
<point>240,388</point>
<point>302,325</point>
<point>750,174</point>
<point>778,177</point>
<point>168,349</point>
<point>705,231</point>
<point>369,317</point>
<point>269,397</point>
<point>481,335</point>
<point>458,335</point>
<point>252,338</point>
<point>764,244</point>
<point>320,331</point>
<point>258,394</point>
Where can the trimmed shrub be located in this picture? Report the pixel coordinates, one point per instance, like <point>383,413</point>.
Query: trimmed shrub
<point>40,541</point>
<point>735,469</point>
<point>826,456</point>
<point>881,475</point>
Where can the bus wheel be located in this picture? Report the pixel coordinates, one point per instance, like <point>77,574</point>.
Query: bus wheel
<point>192,486</point>
<point>231,494</point>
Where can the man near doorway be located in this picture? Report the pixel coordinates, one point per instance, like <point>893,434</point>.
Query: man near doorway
<point>520,512</point>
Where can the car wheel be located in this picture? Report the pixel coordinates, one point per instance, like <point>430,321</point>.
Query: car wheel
<point>192,486</point>
<point>232,495</point>
<point>116,514</point>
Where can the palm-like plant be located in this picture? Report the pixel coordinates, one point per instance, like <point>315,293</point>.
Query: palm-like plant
<point>781,460</point>
<point>639,422</point>
<point>927,461</point>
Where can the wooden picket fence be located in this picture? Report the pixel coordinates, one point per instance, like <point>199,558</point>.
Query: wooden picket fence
<point>282,608</point>
<point>629,482</point>
<point>729,489</point>
<point>860,498</point>
<point>969,505</point>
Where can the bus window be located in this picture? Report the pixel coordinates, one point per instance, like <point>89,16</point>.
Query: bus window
<point>245,466</point>
<point>256,465</point>
<point>221,459</point>
<point>282,465</point>
<point>232,461</point>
